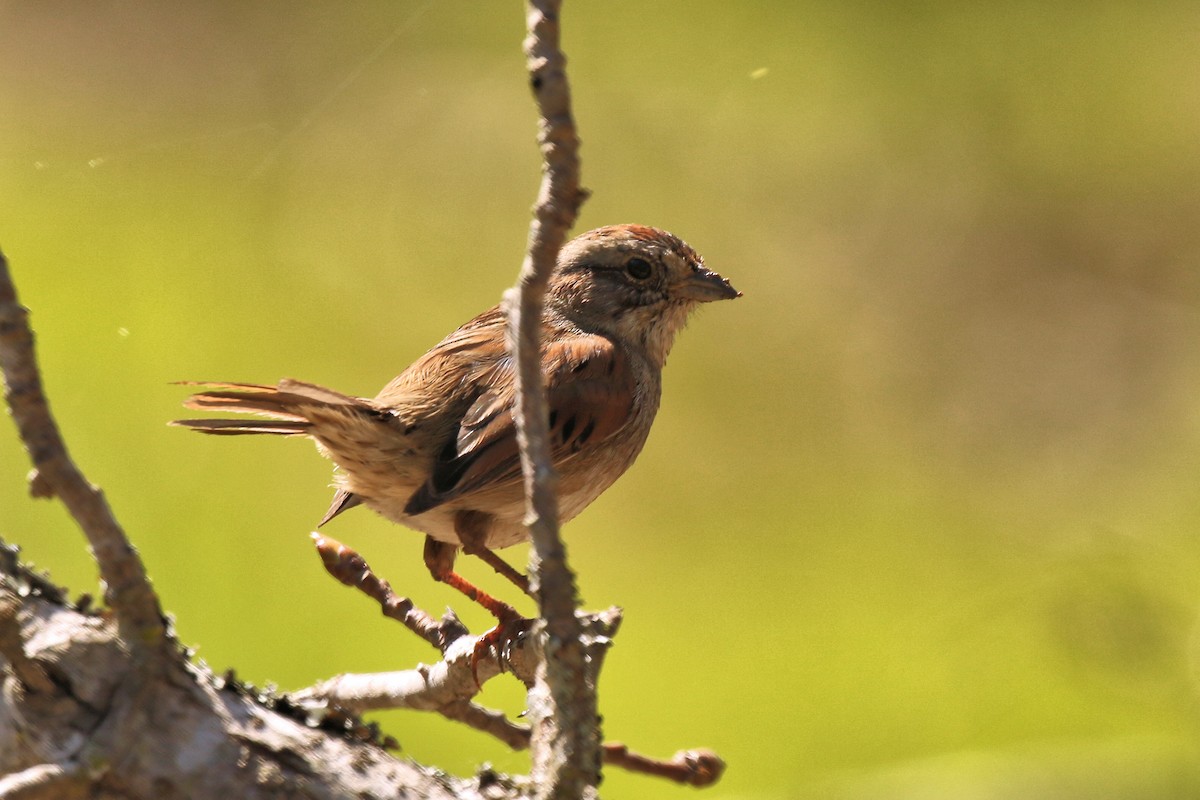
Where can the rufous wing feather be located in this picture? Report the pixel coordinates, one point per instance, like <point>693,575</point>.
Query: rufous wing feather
<point>590,390</point>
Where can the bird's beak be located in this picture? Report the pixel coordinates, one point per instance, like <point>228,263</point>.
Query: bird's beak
<point>705,286</point>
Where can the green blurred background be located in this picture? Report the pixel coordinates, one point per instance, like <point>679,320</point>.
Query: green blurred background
<point>919,515</point>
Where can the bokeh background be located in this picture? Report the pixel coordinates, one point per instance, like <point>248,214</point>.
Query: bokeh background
<point>920,516</point>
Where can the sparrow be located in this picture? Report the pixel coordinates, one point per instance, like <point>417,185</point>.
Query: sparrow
<point>436,450</point>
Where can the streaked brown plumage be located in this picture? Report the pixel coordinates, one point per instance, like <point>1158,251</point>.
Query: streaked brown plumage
<point>436,450</point>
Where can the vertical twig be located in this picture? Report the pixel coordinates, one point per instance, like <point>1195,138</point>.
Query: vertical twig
<point>127,588</point>
<point>557,206</point>
<point>566,744</point>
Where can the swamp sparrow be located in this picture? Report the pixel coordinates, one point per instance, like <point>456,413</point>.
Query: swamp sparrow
<point>436,450</point>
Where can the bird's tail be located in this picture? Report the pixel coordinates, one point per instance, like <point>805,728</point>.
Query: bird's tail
<point>283,405</point>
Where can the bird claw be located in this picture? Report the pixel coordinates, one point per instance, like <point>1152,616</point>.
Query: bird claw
<point>498,638</point>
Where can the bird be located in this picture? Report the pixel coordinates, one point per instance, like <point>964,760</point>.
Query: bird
<point>436,450</point>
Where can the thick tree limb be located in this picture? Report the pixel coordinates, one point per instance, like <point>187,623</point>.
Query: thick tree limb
<point>102,731</point>
<point>127,589</point>
<point>30,673</point>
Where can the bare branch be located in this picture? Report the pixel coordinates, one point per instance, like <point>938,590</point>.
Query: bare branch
<point>491,722</point>
<point>128,590</point>
<point>697,768</point>
<point>447,688</point>
<point>566,755</point>
<point>694,767</point>
<point>554,214</point>
<point>351,569</point>
<point>454,680</point>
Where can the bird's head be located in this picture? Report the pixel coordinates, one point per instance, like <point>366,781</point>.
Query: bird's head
<point>634,283</point>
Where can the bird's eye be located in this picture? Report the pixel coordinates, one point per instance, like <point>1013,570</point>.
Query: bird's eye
<point>638,268</point>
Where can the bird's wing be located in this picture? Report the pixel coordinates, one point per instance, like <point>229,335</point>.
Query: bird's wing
<point>590,389</point>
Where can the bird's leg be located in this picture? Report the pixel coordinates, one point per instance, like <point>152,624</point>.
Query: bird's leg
<point>472,529</point>
<point>501,566</point>
<point>439,558</point>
